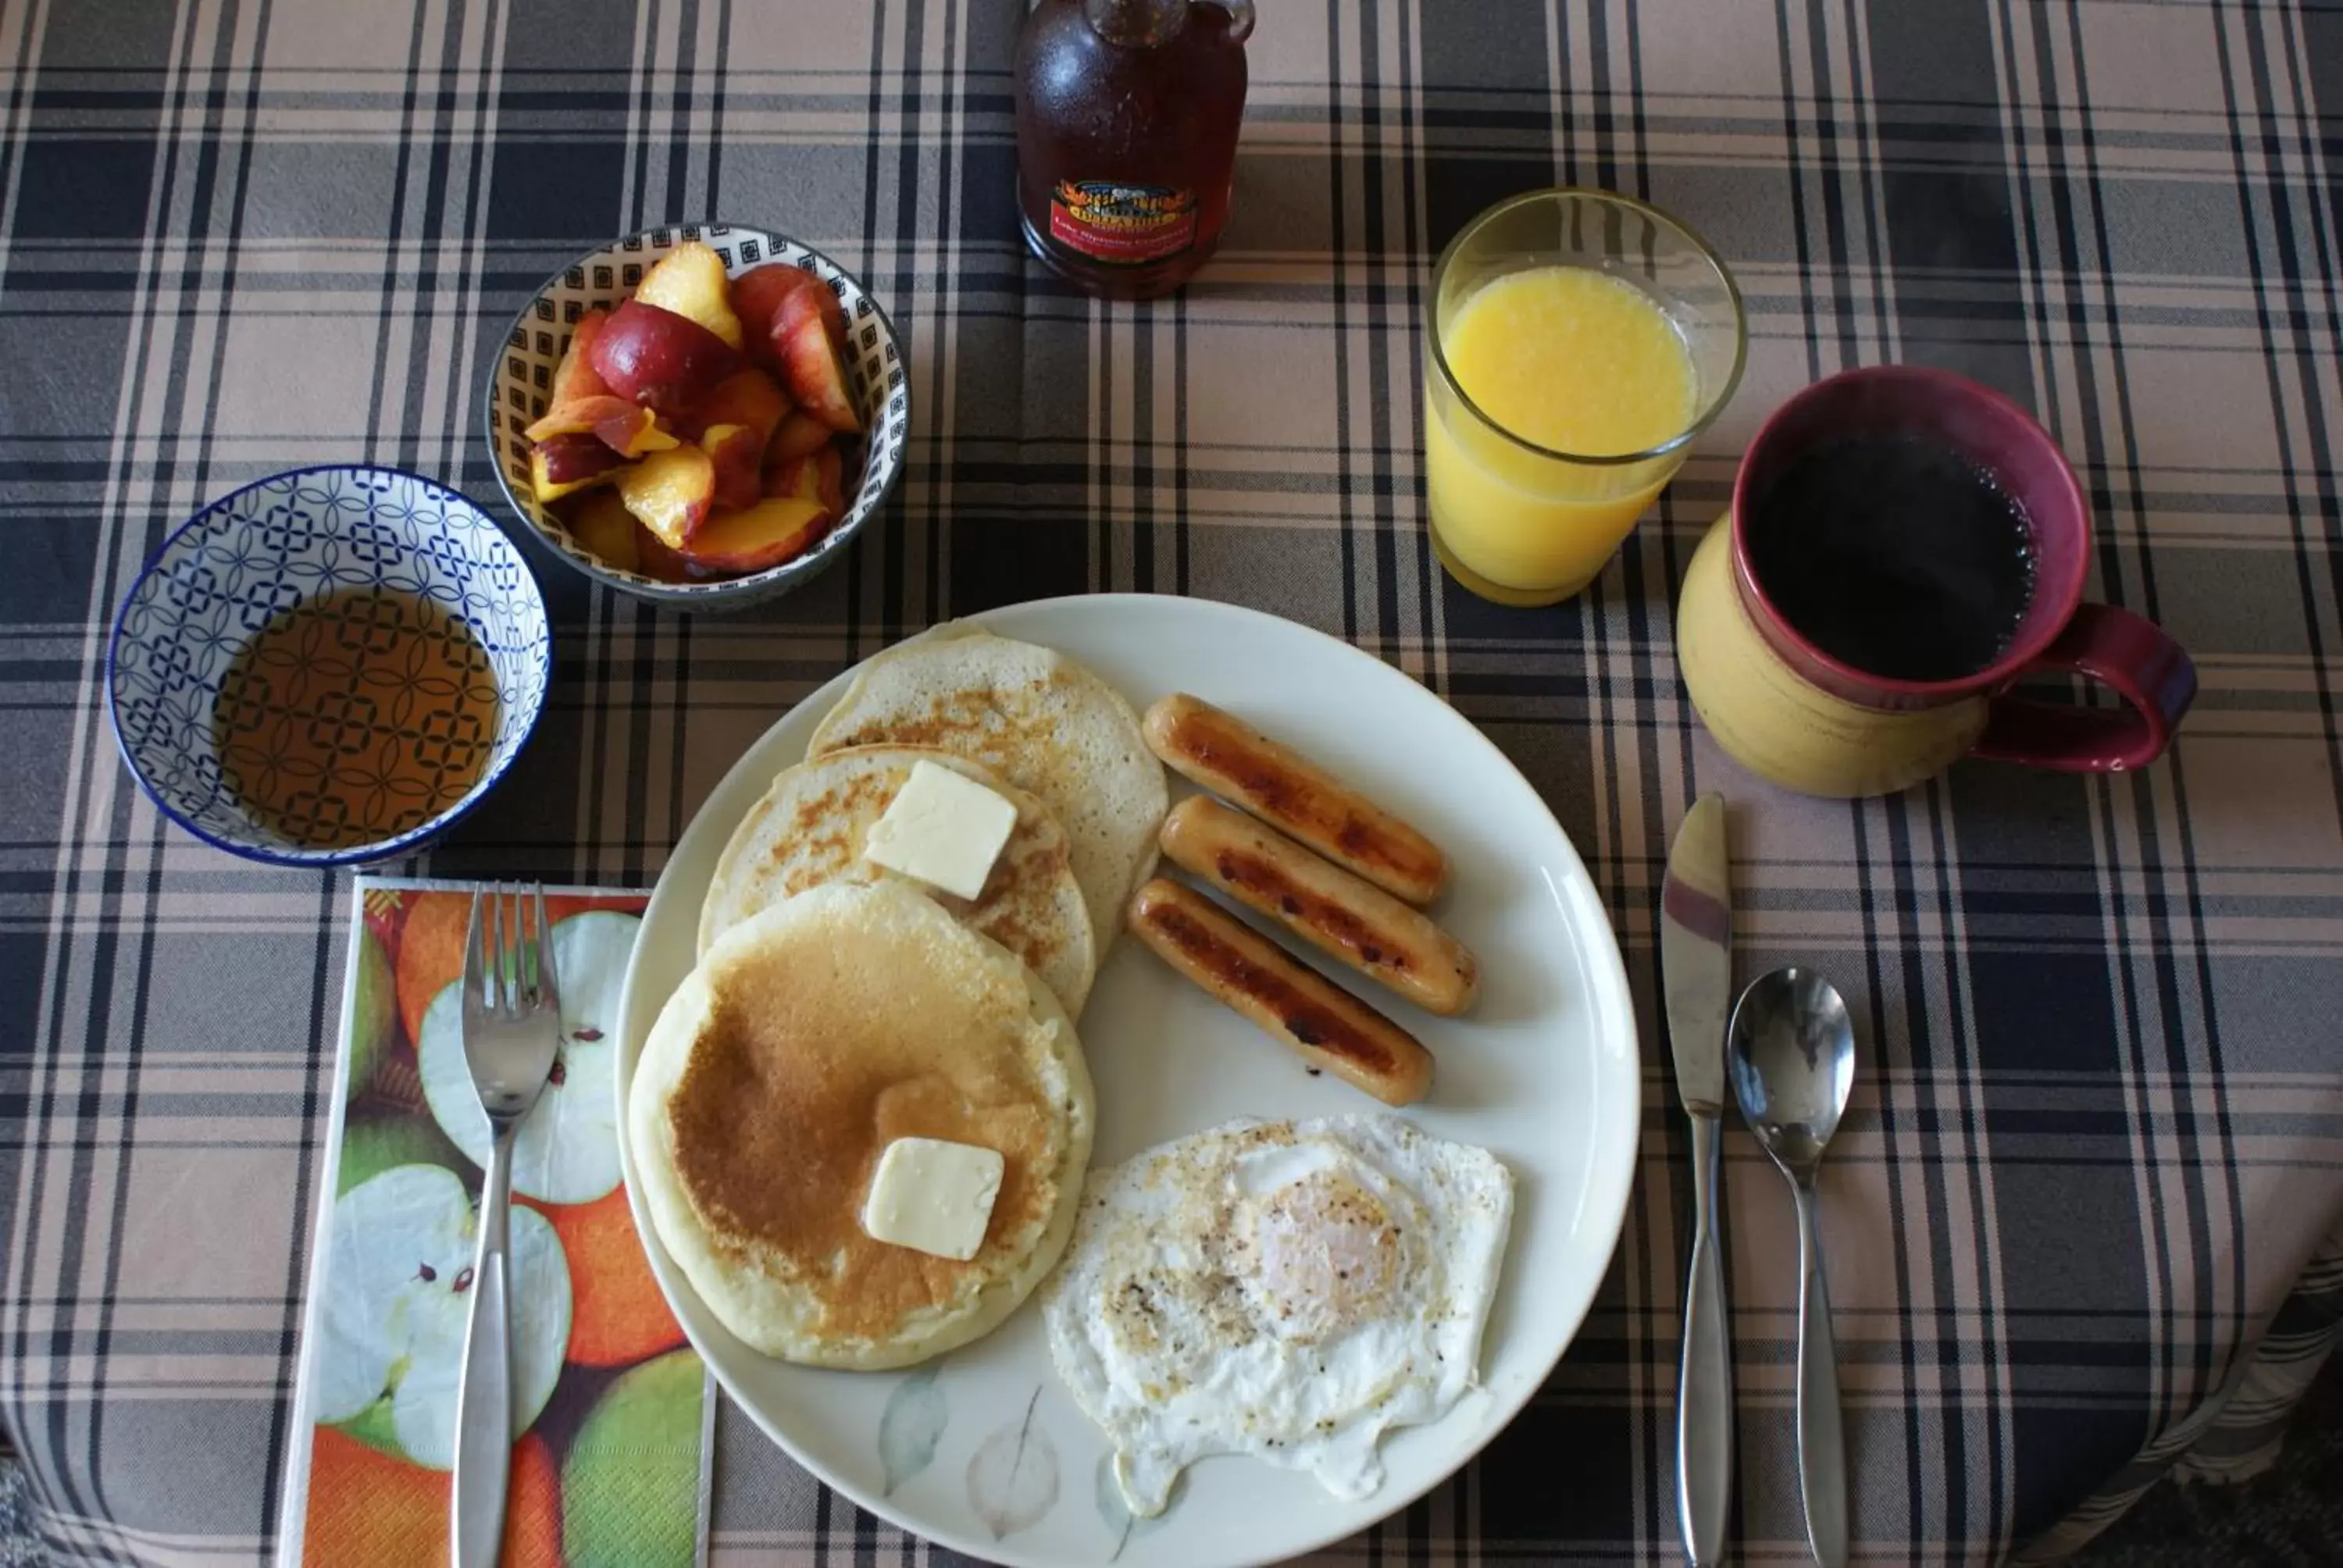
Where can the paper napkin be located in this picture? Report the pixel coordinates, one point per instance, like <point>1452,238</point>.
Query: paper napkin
<point>612,1470</point>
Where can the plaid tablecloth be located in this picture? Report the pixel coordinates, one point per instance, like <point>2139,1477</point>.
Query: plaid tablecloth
<point>2096,1143</point>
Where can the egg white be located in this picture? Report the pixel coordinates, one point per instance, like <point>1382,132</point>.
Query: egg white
<point>1284,1288</point>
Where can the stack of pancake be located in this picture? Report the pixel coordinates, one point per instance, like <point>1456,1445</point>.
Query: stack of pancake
<point>838,1006</point>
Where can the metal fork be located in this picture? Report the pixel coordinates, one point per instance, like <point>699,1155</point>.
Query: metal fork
<point>512,1032</point>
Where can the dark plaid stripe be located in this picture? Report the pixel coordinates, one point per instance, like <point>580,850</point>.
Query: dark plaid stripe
<point>2097,1149</point>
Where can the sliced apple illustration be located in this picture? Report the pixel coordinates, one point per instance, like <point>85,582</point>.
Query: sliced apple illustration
<point>628,1490</point>
<point>567,1150</point>
<point>374,1144</point>
<point>395,1307</point>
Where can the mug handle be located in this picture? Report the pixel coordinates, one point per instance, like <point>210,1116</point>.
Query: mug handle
<point>1240,18</point>
<point>2130,653</point>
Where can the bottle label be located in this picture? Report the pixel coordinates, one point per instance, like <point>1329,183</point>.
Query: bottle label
<point>1110,221</point>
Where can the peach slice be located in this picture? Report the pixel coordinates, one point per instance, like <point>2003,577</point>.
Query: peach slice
<point>578,416</point>
<point>758,293</point>
<point>749,397</point>
<point>627,428</point>
<point>578,390</point>
<point>567,463</point>
<point>752,539</point>
<point>660,360</point>
<point>809,361</point>
<point>734,450</point>
<point>671,492</point>
<point>799,477</point>
<point>800,434</point>
<point>575,378</point>
<point>689,280</point>
<point>817,477</point>
<point>605,530</point>
<point>635,433</point>
<point>736,420</point>
<point>831,485</point>
<point>654,559</point>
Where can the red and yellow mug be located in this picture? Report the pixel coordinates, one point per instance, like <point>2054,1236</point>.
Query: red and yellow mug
<point>1792,714</point>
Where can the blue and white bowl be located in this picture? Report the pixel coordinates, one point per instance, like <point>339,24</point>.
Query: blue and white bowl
<point>273,545</point>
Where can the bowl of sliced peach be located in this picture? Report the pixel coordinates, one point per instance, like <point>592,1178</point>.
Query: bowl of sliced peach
<point>701,415</point>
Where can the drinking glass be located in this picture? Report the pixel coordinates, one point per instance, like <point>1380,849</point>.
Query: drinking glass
<point>1523,524</point>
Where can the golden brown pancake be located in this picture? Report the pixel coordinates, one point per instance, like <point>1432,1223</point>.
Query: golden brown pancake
<point>1039,719</point>
<point>809,829</point>
<point>812,1036</point>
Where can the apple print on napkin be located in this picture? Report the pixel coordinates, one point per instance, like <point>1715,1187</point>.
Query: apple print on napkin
<point>610,1405</point>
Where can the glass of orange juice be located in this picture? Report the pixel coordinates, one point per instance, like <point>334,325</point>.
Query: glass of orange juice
<point>1578,342</point>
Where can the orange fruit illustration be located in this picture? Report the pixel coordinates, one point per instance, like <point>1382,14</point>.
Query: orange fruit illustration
<point>617,1315</point>
<point>365,1506</point>
<point>559,907</point>
<point>430,952</point>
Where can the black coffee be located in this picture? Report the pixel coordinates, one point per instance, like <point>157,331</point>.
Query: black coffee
<point>1897,555</point>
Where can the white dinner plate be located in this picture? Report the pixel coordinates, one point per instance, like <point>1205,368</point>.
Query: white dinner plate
<point>1542,1071</point>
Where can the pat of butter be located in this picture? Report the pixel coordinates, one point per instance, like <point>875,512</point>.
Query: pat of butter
<point>944,828</point>
<point>934,1196</point>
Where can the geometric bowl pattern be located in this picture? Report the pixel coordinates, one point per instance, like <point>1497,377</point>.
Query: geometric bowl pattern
<point>281,542</point>
<point>521,379</point>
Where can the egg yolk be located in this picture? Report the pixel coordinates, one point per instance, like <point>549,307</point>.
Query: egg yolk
<point>1327,1255</point>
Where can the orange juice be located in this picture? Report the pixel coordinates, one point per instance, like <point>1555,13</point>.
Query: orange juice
<point>1559,360</point>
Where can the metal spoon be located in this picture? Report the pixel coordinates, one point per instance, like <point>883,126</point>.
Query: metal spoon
<point>1792,1057</point>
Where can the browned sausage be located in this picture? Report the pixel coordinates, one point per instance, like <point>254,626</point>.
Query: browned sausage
<point>1320,1022</point>
<point>1286,790</point>
<point>1324,904</point>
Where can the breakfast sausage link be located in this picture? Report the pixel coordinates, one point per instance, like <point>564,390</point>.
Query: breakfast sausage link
<point>1320,1022</point>
<point>1321,903</point>
<point>1282,786</point>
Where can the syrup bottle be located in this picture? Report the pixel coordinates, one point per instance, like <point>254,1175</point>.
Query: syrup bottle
<point>1126,114</point>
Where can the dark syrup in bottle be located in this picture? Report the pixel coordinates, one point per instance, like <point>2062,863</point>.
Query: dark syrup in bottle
<point>1127,116</point>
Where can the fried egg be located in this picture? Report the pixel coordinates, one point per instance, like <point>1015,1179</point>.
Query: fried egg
<point>1283,1289</point>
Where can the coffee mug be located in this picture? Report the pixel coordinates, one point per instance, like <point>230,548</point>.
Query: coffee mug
<point>1794,714</point>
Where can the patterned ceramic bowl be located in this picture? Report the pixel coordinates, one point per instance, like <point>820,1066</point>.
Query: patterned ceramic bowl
<point>283,542</point>
<point>522,376</point>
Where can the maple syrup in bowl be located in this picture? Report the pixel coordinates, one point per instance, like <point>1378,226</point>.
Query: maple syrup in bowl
<point>359,715</point>
<point>1127,120</point>
<point>329,665</point>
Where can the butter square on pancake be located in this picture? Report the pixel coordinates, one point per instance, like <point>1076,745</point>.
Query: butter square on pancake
<point>942,829</point>
<point>933,1195</point>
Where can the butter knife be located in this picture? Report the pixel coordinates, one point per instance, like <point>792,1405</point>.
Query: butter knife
<point>1696,969</point>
